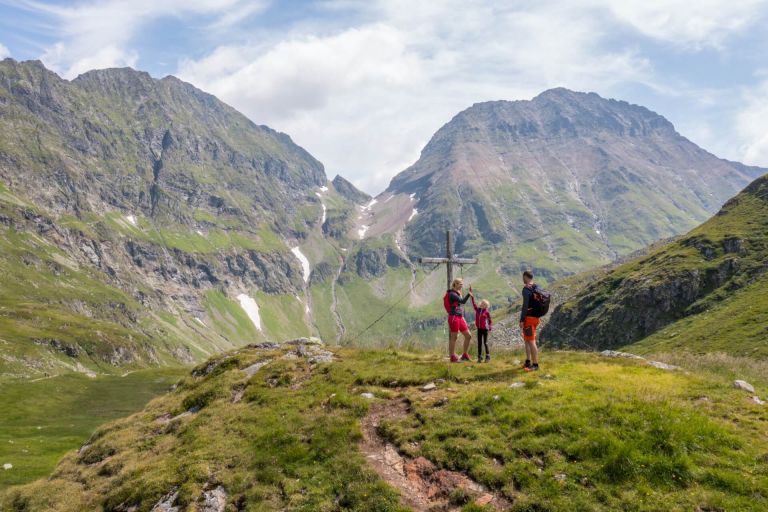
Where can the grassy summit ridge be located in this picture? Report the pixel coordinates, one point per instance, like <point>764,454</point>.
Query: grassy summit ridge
<point>589,433</point>
<point>703,292</point>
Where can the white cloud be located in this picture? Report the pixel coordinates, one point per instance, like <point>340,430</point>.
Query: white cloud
<point>752,126</point>
<point>97,35</point>
<point>4,52</point>
<point>705,23</point>
<point>59,57</point>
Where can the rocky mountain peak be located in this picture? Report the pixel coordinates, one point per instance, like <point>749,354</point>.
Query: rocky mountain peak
<point>349,191</point>
<point>564,162</point>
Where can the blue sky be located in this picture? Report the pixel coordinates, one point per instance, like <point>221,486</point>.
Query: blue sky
<point>364,84</point>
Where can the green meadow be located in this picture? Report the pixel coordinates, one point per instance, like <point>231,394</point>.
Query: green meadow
<point>43,419</point>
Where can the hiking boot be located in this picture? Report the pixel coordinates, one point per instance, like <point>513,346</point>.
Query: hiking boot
<point>487,358</point>
<point>532,368</point>
<point>479,359</point>
<point>527,364</point>
<point>465,357</point>
<point>454,358</point>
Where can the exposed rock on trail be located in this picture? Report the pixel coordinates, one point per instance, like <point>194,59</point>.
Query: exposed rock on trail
<point>422,485</point>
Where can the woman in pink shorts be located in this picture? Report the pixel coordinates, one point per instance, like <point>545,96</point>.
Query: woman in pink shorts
<point>454,306</point>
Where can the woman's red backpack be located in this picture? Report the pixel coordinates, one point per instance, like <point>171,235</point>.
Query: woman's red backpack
<point>447,302</point>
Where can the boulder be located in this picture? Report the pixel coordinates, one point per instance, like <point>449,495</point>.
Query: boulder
<point>167,503</point>
<point>616,353</point>
<point>251,370</point>
<point>214,500</point>
<point>305,341</point>
<point>744,386</point>
<point>663,366</point>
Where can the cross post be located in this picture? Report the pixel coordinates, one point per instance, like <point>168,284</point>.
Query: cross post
<point>450,260</point>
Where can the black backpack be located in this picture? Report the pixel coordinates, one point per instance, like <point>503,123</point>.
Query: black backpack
<point>539,302</point>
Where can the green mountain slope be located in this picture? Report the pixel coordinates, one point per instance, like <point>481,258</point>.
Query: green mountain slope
<point>282,428</point>
<point>704,292</point>
<point>140,216</point>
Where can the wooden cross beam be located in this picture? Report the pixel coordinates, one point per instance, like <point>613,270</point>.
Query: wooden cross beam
<point>450,259</point>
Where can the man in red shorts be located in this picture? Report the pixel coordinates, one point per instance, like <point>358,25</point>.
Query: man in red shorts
<point>529,323</point>
<point>454,305</point>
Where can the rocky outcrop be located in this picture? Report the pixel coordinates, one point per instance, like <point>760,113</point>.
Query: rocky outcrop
<point>337,224</point>
<point>369,262</point>
<point>321,273</point>
<point>349,191</point>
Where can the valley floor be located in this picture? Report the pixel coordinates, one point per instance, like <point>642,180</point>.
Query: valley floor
<point>281,428</point>
<point>42,420</point>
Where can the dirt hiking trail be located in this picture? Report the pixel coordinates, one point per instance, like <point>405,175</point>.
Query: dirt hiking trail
<point>422,486</point>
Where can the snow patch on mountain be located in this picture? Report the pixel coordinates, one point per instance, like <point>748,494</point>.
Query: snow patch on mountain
<point>251,309</point>
<point>304,262</point>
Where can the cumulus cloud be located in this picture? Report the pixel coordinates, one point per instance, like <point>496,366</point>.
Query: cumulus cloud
<point>4,52</point>
<point>705,24</point>
<point>752,125</point>
<point>99,34</point>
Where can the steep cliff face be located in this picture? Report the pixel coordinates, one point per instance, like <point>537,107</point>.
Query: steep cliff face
<point>572,178</point>
<point>713,271</point>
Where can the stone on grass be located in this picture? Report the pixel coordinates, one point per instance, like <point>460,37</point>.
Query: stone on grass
<point>251,370</point>
<point>744,385</point>
<point>7,466</point>
<point>266,345</point>
<point>305,341</point>
<point>429,387</point>
<point>167,503</point>
<point>663,366</point>
<point>560,477</point>
<point>515,385</point>
<point>214,500</point>
<point>616,353</point>
<point>369,396</point>
<point>756,399</point>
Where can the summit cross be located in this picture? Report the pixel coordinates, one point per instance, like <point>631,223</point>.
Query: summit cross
<point>450,259</point>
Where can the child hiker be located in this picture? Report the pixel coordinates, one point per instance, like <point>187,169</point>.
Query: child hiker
<point>529,322</point>
<point>484,325</point>
<point>454,305</point>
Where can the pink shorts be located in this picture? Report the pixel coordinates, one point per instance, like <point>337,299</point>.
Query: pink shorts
<point>457,324</point>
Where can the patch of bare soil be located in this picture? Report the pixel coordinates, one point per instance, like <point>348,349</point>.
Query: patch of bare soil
<point>422,486</point>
